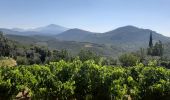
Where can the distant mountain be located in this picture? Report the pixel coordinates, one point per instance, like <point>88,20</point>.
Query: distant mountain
<point>22,33</point>
<point>18,29</point>
<point>129,37</point>
<point>134,34</point>
<point>74,35</point>
<point>50,29</point>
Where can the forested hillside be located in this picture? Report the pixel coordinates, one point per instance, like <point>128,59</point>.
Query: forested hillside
<point>71,46</point>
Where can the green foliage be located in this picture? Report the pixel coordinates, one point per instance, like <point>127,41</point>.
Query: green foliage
<point>109,61</point>
<point>156,50</point>
<point>85,55</point>
<point>85,80</point>
<point>128,59</point>
<point>30,54</point>
<point>165,63</point>
<point>60,55</point>
<point>87,77</point>
<point>7,47</point>
<point>21,60</point>
<point>142,54</point>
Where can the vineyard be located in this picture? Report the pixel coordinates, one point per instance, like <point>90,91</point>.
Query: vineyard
<point>85,81</point>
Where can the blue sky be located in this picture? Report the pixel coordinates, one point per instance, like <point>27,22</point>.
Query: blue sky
<point>92,15</point>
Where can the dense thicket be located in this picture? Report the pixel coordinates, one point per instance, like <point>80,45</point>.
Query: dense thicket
<point>85,80</point>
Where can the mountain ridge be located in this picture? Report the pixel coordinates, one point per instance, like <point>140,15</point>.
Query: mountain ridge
<point>127,36</point>
<point>51,29</point>
<point>130,37</point>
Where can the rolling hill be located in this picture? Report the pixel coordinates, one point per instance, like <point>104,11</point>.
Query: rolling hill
<point>127,38</point>
<point>72,46</point>
<point>74,35</point>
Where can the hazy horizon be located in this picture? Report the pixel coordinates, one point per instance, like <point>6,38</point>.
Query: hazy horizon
<point>28,29</point>
<point>90,15</point>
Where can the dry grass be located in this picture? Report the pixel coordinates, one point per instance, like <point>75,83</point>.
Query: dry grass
<point>7,62</point>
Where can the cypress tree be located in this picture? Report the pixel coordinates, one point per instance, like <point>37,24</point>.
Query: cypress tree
<point>150,40</point>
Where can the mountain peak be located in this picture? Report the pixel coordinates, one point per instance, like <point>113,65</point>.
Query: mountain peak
<point>51,29</point>
<point>128,27</point>
<point>77,30</point>
<point>53,25</point>
<point>124,29</point>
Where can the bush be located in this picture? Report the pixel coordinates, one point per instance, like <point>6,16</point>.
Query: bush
<point>128,59</point>
<point>85,80</point>
<point>22,60</point>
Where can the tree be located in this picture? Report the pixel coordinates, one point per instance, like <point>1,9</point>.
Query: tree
<point>21,60</point>
<point>128,59</point>
<point>43,52</point>
<point>161,48</point>
<point>85,55</point>
<point>60,55</point>
<point>7,47</point>
<point>141,54</point>
<point>156,50</point>
<point>150,41</point>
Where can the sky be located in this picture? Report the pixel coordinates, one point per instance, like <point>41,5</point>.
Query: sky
<point>91,15</point>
